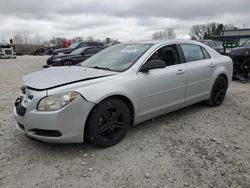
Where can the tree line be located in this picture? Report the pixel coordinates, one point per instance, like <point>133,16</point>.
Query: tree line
<point>28,39</point>
<point>198,31</point>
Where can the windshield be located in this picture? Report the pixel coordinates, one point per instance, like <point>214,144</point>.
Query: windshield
<point>78,51</point>
<point>247,44</point>
<point>73,45</point>
<point>5,46</point>
<point>117,58</point>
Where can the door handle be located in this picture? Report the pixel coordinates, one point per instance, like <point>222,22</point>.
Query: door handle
<point>180,71</point>
<point>211,65</point>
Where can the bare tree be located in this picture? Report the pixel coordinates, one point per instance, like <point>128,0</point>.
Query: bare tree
<point>18,38</point>
<point>22,38</point>
<point>78,39</point>
<point>3,40</point>
<point>171,33</point>
<point>37,40</point>
<point>198,31</point>
<point>90,39</point>
<point>204,31</point>
<point>58,41</point>
<point>165,34</point>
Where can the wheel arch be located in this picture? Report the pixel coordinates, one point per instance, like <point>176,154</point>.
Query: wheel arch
<point>65,60</point>
<point>123,98</point>
<point>220,71</point>
<point>224,76</point>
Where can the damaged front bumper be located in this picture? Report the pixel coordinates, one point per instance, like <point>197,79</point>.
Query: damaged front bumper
<point>62,126</point>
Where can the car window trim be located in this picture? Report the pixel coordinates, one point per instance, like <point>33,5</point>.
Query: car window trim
<point>203,51</point>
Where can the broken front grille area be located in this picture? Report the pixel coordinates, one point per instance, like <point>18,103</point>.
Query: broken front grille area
<point>23,91</point>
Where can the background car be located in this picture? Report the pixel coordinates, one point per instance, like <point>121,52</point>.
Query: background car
<point>74,57</point>
<point>75,46</point>
<point>213,44</point>
<point>46,49</point>
<point>241,59</point>
<point>7,51</point>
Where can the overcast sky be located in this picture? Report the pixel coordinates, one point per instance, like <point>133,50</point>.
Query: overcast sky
<point>120,19</point>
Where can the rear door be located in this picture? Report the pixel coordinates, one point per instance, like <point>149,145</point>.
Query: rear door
<point>199,69</point>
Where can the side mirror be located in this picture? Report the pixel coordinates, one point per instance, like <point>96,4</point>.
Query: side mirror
<point>153,64</point>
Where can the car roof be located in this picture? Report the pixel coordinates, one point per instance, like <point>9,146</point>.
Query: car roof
<point>162,42</point>
<point>205,40</point>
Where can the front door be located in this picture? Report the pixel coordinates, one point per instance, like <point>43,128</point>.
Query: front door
<point>162,89</point>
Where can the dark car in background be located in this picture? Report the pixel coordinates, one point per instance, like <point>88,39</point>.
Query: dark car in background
<point>42,51</point>
<point>75,46</point>
<point>46,49</point>
<point>241,58</point>
<point>214,44</point>
<point>74,57</point>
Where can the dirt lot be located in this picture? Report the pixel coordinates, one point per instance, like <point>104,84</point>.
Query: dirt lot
<point>197,146</point>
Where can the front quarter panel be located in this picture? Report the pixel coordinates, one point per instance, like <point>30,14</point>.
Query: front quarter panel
<point>122,84</point>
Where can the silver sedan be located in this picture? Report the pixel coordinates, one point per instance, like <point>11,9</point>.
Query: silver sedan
<point>117,88</point>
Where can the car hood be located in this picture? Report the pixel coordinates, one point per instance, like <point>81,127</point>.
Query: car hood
<point>63,50</point>
<point>66,55</point>
<point>59,76</point>
<point>240,51</point>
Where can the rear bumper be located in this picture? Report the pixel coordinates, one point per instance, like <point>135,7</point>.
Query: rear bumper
<point>62,126</point>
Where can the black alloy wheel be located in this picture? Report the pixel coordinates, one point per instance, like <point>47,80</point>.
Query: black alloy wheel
<point>218,92</point>
<point>108,123</point>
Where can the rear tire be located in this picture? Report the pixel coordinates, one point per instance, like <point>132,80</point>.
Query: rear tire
<point>108,123</point>
<point>218,93</point>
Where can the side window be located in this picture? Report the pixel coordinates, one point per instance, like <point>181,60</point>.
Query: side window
<point>92,44</point>
<point>90,51</point>
<point>247,43</point>
<point>206,54</point>
<point>192,52</point>
<point>168,54</point>
<point>98,49</point>
<point>83,44</point>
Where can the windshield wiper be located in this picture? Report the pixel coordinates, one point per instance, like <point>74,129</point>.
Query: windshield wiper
<point>103,68</point>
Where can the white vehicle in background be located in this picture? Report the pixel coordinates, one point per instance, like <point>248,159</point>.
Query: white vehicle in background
<point>7,51</point>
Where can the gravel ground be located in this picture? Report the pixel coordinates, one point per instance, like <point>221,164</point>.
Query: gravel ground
<point>198,146</point>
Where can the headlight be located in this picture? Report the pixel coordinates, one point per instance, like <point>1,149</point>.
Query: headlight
<point>56,102</point>
<point>57,59</point>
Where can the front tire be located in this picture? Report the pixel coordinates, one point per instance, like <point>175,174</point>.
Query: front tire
<point>108,123</point>
<point>218,92</point>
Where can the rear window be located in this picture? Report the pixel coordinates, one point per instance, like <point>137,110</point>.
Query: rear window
<point>192,52</point>
<point>206,54</point>
<point>247,44</point>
